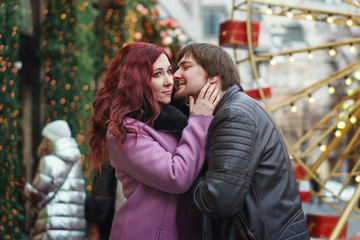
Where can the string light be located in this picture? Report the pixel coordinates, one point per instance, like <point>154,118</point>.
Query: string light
<point>273,61</point>
<point>332,52</point>
<point>10,119</point>
<point>322,147</point>
<point>269,10</point>
<point>349,22</point>
<point>293,107</point>
<point>310,55</point>
<point>330,19</point>
<point>353,119</point>
<point>350,92</point>
<point>337,133</point>
<point>357,178</point>
<point>311,98</point>
<point>331,89</point>
<point>291,58</point>
<point>357,75</point>
<point>341,125</point>
<point>352,48</point>
<point>290,14</point>
<point>309,16</point>
<point>348,80</point>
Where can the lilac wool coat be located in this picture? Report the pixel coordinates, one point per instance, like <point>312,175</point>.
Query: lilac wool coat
<point>156,171</point>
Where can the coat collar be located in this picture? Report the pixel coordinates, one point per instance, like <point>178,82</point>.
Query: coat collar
<point>225,97</point>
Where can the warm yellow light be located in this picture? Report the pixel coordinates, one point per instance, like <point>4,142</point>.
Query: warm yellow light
<point>290,14</point>
<point>338,133</point>
<point>291,58</point>
<point>293,108</point>
<point>269,10</point>
<point>311,99</point>
<point>353,119</point>
<point>310,55</point>
<point>273,61</point>
<point>341,125</point>
<point>330,19</point>
<point>349,22</point>
<point>331,90</point>
<point>332,52</point>
<point>357,178</point>
<point>348,81</point>
<point>322,148</point>
<point>309,17</point>
<point>350,92</point>
<point>357,75</point>
<point>352,48</point>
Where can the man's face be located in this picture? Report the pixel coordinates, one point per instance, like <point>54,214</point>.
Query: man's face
<point>190,78</point>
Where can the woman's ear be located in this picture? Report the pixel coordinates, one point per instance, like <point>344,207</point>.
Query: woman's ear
<point>214,79</point>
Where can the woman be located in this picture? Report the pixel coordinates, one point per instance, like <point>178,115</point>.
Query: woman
<point>58,189</point>
<point>156,152</point>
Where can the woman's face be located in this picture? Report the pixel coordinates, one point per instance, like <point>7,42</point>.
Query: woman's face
<point>162,80</point>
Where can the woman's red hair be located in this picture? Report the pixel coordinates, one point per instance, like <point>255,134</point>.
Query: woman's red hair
<point>126,92</point>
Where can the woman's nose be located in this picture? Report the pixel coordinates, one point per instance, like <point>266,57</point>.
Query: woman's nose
<point>169,80</point>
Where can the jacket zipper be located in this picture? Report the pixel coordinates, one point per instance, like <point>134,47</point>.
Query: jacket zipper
<point>243,228</point>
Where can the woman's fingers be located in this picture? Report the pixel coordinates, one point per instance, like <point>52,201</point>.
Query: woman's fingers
<point>204,90</point>
<point>206,101</point>
<point>214,95</point>
<point>191,102</point>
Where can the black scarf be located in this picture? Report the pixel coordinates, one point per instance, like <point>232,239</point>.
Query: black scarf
<point>171,118</point>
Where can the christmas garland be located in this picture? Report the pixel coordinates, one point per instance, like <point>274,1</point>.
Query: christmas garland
<point>11,214</point>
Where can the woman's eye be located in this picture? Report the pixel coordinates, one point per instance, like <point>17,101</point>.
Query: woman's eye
<point>169,72</point>
<point>157,74</point>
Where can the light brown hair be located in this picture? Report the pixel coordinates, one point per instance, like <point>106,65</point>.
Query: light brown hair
<point>45,148</point>
<point>215,61</point>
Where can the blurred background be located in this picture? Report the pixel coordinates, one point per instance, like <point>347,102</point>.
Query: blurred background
<point>299,58</point>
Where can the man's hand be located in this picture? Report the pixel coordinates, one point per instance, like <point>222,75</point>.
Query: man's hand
<point>206,101</point>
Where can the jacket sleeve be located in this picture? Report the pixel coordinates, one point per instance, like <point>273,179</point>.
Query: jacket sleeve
<point>221,192</point>
<point>99,204</point>
<point>149,163</point>
<point>50,167</point>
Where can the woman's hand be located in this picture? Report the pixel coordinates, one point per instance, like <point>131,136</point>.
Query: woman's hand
<point>206,101</point>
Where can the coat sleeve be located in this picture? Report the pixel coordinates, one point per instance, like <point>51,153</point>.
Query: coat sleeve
<point>149,163</point>
<point>222,190</point>
<point>50,167</point>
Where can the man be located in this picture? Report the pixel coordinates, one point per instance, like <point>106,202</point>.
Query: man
<point>248,190</point>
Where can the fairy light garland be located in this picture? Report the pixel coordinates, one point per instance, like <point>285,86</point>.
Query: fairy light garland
<point>11,213</point>
<point>70,49</point>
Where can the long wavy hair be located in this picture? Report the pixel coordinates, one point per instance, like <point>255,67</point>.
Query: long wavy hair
<point>126,92</point>
<point>45,148</point>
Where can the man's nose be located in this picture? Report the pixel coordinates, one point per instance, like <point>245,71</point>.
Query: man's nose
<point>177,75</point>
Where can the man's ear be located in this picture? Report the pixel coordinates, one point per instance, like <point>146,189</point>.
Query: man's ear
<point>214,79</point>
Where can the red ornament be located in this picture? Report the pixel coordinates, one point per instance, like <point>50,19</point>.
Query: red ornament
<point>304,190</point>
<point>321,225</point>
<point>254,93</point>
<point>299,171</point>
<point>233,34</point>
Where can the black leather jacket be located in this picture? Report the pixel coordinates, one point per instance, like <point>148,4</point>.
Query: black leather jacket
<point>249,190</point>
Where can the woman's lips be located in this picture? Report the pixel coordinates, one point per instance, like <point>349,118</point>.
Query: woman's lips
<point>168,92</point>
